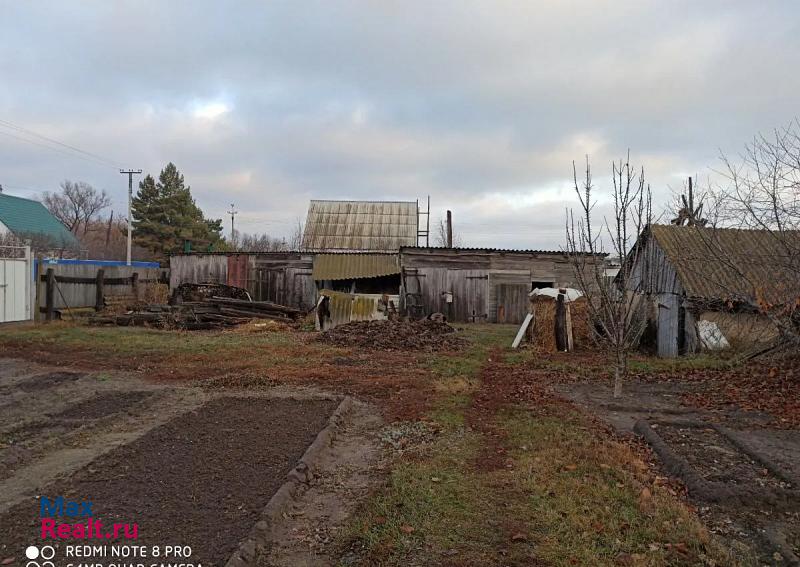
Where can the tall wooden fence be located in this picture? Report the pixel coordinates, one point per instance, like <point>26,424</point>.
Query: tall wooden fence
<point>64,287</point>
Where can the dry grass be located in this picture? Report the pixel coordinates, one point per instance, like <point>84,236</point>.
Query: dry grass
<point>572,494</point>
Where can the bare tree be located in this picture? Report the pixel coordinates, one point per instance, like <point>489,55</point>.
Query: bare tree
<point>296,237</point>
<point>260,243</point>
<point>440,235</point>
<point>617,305</point>
<point>762,192</point>
<point>76,205</point>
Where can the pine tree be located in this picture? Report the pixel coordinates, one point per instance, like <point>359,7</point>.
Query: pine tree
<point>165,216</point>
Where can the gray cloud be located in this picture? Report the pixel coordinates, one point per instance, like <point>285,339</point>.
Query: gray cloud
<point>482,105</point>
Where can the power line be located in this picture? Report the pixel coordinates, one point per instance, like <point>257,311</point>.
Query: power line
<point>74,150</point>
<point>35,143</point>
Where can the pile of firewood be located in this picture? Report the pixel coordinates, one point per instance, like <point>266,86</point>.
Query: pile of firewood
<point>211,313</point>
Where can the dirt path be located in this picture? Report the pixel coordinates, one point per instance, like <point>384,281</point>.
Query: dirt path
<point>348,470</point>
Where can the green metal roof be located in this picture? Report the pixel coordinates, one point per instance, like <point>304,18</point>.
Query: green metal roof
<point>354,266</point>
<point>25,217</point>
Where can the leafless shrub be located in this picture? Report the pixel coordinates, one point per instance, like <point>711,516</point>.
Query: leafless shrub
<point>616,304</point>
<point>440,235</point>
<point>761,192</point>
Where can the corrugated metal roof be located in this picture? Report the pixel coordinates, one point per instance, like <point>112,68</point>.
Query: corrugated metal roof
<point>353,266</point>
<point>724,263</point>
<point>27,217</point>
<point>360,225</point>
<point>498,250</point>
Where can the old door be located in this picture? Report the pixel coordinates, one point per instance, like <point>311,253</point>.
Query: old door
<point>512,303</point>
<point>668,325</point>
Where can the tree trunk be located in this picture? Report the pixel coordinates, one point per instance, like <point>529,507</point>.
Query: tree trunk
<point>619,374</point>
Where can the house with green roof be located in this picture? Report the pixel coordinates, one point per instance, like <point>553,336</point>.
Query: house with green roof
<point>27,219</point>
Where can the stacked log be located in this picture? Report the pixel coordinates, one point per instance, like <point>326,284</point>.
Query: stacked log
<point>210,313</point>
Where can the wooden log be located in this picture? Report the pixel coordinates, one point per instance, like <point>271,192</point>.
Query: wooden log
<point>253,314</point>
<point>255,305</point>
<point>99,298</point>
<point>50,278</point>
<point>561,324</point>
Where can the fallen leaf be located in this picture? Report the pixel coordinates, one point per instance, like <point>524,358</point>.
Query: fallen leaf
<point>407,529</point>
<point>519,536</point>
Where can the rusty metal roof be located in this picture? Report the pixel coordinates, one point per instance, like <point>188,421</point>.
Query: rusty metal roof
<point>354,266</point>
<point>726,263</point>
<point>360,226</point>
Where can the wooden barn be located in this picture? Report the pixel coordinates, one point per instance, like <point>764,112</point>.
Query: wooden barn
<point>479,284</point>
<point>704,285</point>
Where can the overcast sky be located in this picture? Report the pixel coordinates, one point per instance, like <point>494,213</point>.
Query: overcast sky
<point>481,105</point>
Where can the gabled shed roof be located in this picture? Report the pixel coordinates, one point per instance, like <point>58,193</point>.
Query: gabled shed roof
<point>25,217</point>
<point>353,226</point>
<point>726,263</point>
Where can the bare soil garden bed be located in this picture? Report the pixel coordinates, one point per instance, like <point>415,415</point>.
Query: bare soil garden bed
<point>715,458</point>
<point>19,445</point>
<point>200,480</point>
<point>49,380</point>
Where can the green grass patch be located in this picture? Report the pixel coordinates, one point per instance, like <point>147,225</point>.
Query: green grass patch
<point>588,501</point>
<point>434,510</point>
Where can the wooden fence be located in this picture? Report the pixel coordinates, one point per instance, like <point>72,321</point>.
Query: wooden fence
<point>68,287</point>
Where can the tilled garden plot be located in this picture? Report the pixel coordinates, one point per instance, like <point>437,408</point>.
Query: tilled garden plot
<point>47,381</point>
<point>19,445</point>
<point>200,480</point>
<point>422,335</point>
<point>716,459</point>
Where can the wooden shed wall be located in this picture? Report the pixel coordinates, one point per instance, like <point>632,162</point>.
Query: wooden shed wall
<point>282,277</point>
<point>474,277</point>
<point>197,268</point>
<point>671,317</point>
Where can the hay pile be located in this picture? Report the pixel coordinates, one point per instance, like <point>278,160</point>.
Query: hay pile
<point>395,335</point>
<point>541,333</point>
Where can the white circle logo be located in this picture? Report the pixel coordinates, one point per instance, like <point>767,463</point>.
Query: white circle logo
<point>48,552</point>
<point>32,552</point>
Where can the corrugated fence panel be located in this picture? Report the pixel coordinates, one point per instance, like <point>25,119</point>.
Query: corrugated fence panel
<point>77,295</point>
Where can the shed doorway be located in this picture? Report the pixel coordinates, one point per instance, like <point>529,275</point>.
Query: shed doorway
<point>512,303</point>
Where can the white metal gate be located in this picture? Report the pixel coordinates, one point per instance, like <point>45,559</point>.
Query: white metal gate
<point>15,283</point>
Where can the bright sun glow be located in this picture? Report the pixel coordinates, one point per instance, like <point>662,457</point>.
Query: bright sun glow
<point>211,110</point>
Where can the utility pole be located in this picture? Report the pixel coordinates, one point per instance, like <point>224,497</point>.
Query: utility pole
<point>233,212</point>
<point>130,173</point>
<point>449,229</point>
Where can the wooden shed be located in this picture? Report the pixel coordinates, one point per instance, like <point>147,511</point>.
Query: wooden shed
<point>705,282</point>
<point>478,284</point>
<point>281,277</point>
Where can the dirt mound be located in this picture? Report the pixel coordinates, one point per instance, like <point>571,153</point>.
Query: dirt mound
<point>395,335</point>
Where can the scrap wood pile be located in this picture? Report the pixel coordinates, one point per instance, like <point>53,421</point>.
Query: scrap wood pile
<point>425,335</point>
<point>211,313</point>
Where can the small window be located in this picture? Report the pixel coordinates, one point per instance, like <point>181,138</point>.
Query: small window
<point>542,285</point>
